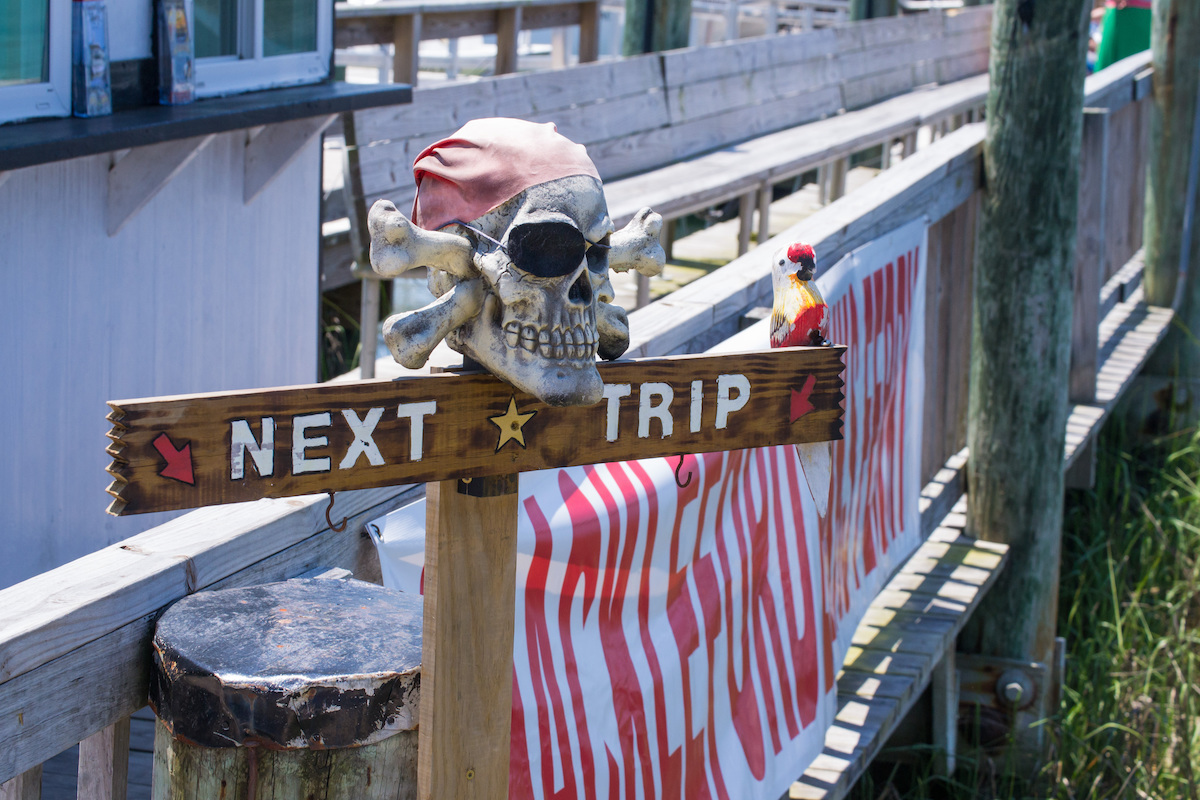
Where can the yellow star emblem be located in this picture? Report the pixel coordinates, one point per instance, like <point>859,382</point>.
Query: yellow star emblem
<point>510,424</point>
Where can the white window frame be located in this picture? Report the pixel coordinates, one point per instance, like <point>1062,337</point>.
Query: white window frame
<point>222,75</point>
<point>50,98</point>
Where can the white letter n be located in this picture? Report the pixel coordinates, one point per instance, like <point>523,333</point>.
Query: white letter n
<point>242,439</point>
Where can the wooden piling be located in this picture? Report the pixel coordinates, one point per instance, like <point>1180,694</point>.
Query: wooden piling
<point>300,689</point>
<point>1021,321</point>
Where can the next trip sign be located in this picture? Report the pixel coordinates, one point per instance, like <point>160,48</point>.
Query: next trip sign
<point>198,450</point>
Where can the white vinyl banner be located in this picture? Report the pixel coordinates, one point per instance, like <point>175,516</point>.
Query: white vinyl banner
<point>682,642</point>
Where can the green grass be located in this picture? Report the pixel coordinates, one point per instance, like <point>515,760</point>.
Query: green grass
<point>1130,610</point>
<point>1129,607</point>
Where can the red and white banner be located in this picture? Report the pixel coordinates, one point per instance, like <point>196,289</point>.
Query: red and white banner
<point>682,642</point>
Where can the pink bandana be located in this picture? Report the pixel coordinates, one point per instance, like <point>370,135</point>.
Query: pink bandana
<point>488,161</point>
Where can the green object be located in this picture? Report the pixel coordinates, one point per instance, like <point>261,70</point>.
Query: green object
<point>24,41</point>
<point>1125,31</point>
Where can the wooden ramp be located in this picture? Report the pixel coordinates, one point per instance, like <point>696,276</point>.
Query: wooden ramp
<point>905,641</point>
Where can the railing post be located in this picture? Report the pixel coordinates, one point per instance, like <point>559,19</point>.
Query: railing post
<point>407,38</point>
<point>508,28</point>
<point>1090,253</point>
<point>104,763</point>
<point>589,31</point>
<point>26,786</point>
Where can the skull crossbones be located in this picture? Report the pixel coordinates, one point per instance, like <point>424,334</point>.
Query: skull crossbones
<point>522,288</point>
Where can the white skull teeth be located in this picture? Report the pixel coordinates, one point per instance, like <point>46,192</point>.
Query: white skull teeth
<point>561,341</point>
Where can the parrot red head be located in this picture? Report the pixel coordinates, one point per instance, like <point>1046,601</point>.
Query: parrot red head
<point>802,254</point>
<point>799,315</point>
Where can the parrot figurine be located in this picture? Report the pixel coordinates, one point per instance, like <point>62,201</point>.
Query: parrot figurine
<point>800,317</point>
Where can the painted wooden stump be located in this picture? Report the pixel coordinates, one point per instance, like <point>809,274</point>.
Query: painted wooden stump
<point>299,689</point>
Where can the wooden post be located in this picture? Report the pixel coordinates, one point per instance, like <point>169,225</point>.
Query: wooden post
<point>368,327</point>
<point>1021,318</point>
<point>407,38</point>
<point>745,221</point>
<point>589,31</point>
<point>1171,194</point>
<point>943,685</point>
<point>104,763</point>
<point>470,590</point>
<point>653,25</point>
<point>305,688</point>
<point>765,193</point>
<point>508,29</point>
<point>1089,268</point>
<point>837,178</point>
<point>26,786</point>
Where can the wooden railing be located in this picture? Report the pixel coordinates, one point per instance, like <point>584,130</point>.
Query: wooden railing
<point>75,641</point>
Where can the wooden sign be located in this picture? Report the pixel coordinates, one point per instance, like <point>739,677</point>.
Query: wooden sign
<point>198,450</point>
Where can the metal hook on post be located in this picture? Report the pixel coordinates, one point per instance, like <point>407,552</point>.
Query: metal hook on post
<point>682,484</point>
<point>341,526</point>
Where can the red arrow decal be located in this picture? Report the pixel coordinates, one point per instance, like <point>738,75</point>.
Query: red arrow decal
<point>179,462</point>
<point>801,405</point>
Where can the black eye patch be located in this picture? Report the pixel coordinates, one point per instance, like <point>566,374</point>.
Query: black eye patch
<point>547,249</point>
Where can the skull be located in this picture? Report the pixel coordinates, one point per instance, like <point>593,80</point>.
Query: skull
<point>523,289</point>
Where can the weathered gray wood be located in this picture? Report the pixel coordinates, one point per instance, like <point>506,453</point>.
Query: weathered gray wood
<point>1172,261</point>
<point>275,147</point>
<point>589,32</point>
<point>26,786</point>
<point>837,178</point>
<point>1089,256</point>
<point>745,221</point>
<point>1017,401</point>
<point>406,39</point>
<point>907,640</point>
<point>381,771</point>
<point>949,256</point>
<point>143,172</point>
<point>765,193</point>
<point>104,763</point>
<point>933,182</point>
<point>368,326</point>
<point>1116,85</point>
<point>508,25</point>
<point>944,685</point>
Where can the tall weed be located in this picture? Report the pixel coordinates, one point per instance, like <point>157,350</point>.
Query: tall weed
<point>1129,607</point>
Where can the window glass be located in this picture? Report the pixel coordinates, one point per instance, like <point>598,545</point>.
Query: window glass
<point>216,27</point>
<point>24,41</point>
<point>289,26</point>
